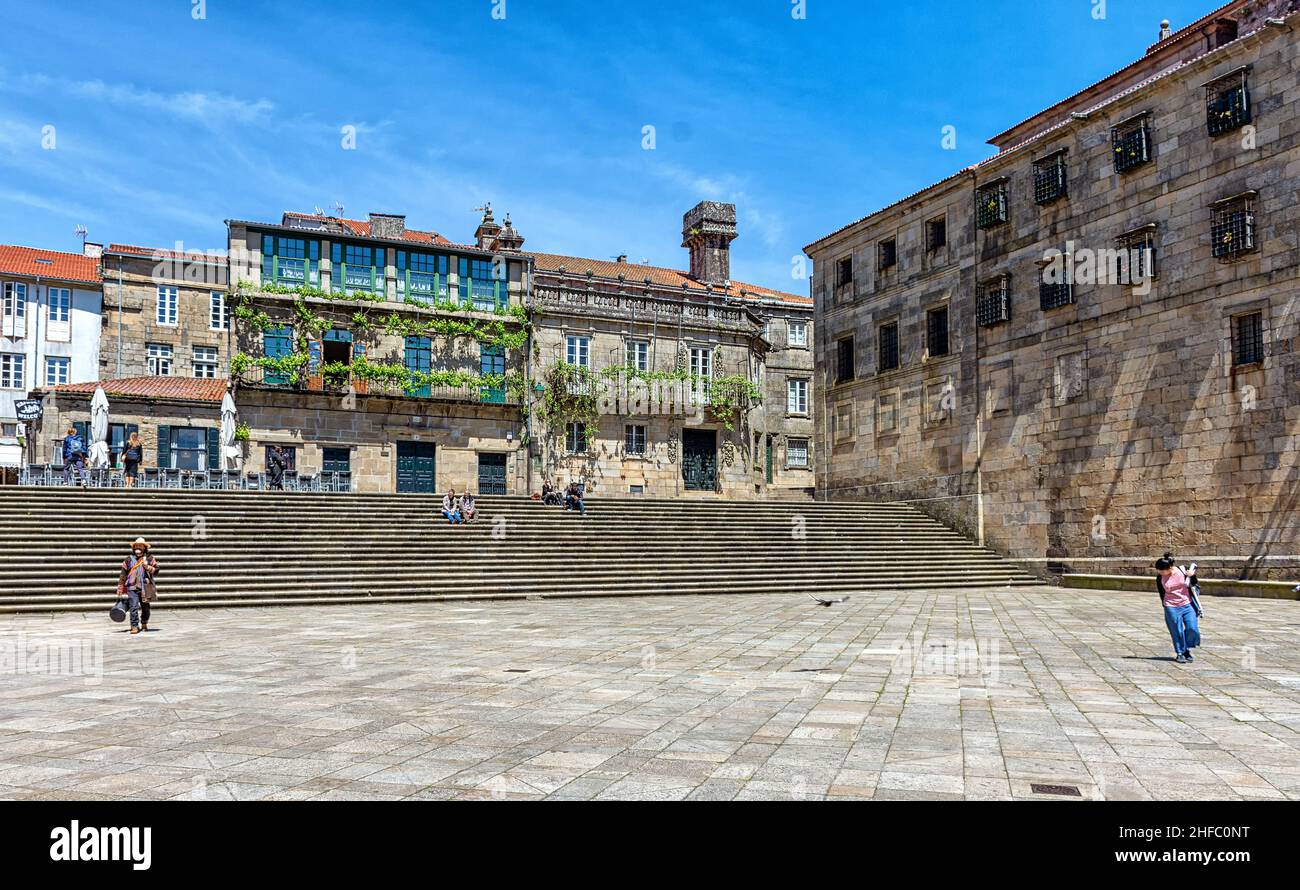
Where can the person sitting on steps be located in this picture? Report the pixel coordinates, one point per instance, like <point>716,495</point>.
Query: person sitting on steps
<point>451,507</point>
<point>468,508</point>
<point>573,499</point>
<point>550,497</point>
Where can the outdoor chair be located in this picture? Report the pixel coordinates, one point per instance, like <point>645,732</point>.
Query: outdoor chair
<point>149,478</point>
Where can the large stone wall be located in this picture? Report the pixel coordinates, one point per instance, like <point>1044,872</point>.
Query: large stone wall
<point>1103,432</point>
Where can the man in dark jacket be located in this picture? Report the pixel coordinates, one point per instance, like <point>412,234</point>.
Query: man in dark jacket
<point>137,585</point>
<point>74,456</point>
<point>573,499</point>
<point>276,464</point>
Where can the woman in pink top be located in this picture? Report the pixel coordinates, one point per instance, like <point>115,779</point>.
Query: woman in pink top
<point>1175,588</point>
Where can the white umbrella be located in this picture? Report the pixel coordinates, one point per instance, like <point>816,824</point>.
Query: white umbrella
<point>99,428</point>
<point>229,450</point>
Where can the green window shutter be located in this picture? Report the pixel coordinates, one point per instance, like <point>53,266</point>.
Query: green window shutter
<point>164,446</point>
<point>214,448</point>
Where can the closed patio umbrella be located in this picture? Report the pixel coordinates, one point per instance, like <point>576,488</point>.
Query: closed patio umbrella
<point>99,429</point>
<point>230,452</point>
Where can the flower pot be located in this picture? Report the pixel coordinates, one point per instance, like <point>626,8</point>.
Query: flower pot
<point>316,383</point>
<point>361,387</point>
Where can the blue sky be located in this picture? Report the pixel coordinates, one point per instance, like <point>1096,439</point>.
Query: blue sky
<point>164,125</point>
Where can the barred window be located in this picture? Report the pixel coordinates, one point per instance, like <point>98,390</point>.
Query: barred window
<point>888,253</point>
<point>1139,259</point>
<point>994,302</point>
<point>936,233</point>
<point>1131,144</point>
<point>844,369</point>
<point>1227,103</point>
<point>796,452</point>
<point>888,334</point>
<point>991,205</point>
<point>1248,339</point>
<point>1233,231</point>
<point>1050,179</point>
<point>936,331</point>
<point>1055,287</point>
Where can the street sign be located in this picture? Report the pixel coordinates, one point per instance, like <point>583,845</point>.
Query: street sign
<point>28,409</point>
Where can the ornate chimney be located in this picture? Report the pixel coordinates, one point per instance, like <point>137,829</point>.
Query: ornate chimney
<point>708,229</point>
<point>488,230</point>
<point>509,239</point>
<point>1165,31</point>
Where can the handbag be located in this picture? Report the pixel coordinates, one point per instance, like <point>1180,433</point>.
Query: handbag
<point>118,611</point>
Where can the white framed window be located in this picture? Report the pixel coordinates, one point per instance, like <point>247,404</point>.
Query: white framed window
<point>575,438</point>
<point>638,355</point>
<point>218,314</point>
<point>15,309</point>
<point>57,370</point>
<point>635,440</point>
<point>168,303</point>
<point>701,368</point>
<point>8,430</point>
<point>59,314</point>
<point>796,396</point>
<point>160,360</point>
<point>798,333</point>
<point>577,351</point>
<point>796,453</point>
<point>12,371</point>
<point>205,361</point>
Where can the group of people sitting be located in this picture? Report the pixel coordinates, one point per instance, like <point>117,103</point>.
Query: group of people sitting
<point>459,510</point>
<point>571,498</point>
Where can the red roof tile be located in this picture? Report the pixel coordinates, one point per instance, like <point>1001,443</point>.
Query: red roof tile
<point>191,389</point>
<point>64,266</point>
<point>361,228</point>
<point>161,252</point>
<point>635,273</point>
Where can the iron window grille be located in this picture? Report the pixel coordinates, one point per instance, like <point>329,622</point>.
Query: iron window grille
<point>1227,104</point>
<point>1131,144</point>
<point>991,205</point>
<point>1140,260</point>
<point>936,331</point>
<point>844,366</point>
<point>888,347</point>
<point>1051,182</point>
<point>936,234</point>
<point>1248,339</point>
<point>1054,295</point>
<point>888,254</point>
<point>1233,231</point>
<point>994,303</point>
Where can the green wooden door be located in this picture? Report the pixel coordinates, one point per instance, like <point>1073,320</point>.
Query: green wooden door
<point>415,467</point>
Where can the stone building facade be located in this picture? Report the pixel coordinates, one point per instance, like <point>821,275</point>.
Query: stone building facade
<point>1082,350</point>
<point>165,314</point>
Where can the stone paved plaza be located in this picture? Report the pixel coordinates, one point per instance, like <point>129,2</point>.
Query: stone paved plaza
<point>975,695</point>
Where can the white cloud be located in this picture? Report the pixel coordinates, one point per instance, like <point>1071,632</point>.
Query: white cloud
<point>207,108</point>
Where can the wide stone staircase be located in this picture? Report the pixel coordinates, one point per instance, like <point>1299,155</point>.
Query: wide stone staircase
<point>61,549</point>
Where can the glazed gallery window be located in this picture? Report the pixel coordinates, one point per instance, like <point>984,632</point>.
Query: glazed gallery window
<point>577,351</point>
<point>798,333</point>
<point>160,360</point>
<point>218,315</point>
<point>168,306</point>
<point>12,367</point>
<point>796,397</point>
<point>701,368</point>
<point>205,361</point>
<point>15,309</point>
<point>56,370</point>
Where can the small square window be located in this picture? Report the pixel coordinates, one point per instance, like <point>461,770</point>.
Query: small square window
<point>994,302</point>
<point>1131,144</point>
<point>798,333</point>
<point>159,360</point>
<point>1248,339</point>
<point>1139,259</point>
<point>635,440</point>
<point>991,205</point>
<point>1227,104</point>
<point>796,397</point>
<point>1051,182</point>
<point>205,361</point>
<point>1233,231</point>
<point>796,453</point>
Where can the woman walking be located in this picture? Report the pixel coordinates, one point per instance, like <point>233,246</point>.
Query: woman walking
<point>1179,601</point>
<point>132,454</point>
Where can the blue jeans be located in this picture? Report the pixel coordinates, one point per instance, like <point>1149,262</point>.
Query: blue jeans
<point>138,607</point>
<point>452,516</point>
<point>77,463</point>
<point>1183,629</point>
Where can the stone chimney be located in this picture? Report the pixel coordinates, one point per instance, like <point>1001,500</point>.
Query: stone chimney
<point>93,250</point>
<point>488,230</point>
<point>387,225</point>
<point>1165,31</point>
<point>708,229</point>
<point>622,258</point>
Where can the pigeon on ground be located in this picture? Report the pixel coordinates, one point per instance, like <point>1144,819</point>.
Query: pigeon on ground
<point>828,601</point>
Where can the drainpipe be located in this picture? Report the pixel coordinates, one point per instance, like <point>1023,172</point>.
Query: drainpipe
<point>528,375</point>
<point>979,394</point>
<point>119,316</point>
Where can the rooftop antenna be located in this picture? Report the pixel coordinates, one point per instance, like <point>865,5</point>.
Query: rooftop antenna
<point>338,209</point>
<point>81,232</point>
<point>316,211</point>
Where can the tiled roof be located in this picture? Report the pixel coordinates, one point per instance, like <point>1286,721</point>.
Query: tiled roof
<point>636,273</point>
<point>1097,106</point>
<point>361,228</point>
<point>160,252</point>
<point>191,389</point>
<point>64,266</point>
